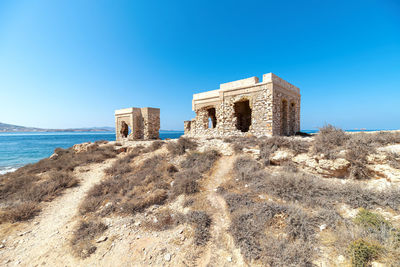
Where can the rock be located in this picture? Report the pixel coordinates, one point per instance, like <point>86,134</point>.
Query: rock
<point>341,259</point>
<point>167,257</point>
<point>183,238</point>
<point>229,259</point>
<point>54,156</point>
<point>377,264</point>
<point>122,149</point>
<point>101,239</point>
<point>35,223</point>
<point>280,156</point>
<point>138,223</point>
<point>79,148</point>
<point>322,227</point>
<point>2,246</point>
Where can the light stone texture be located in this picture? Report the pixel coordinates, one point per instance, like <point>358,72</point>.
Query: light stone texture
<point>274,105</point>
<point>144,123</point>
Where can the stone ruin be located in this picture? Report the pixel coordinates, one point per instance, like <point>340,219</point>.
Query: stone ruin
<point>137,123</point>
<point>247,107</point>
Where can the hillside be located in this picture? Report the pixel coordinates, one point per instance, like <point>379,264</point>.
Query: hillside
<point>15,128</point>
<point>328,200</point>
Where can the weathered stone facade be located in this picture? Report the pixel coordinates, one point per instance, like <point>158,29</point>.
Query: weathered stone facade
<point>137,123</point>
<point>247,106</point>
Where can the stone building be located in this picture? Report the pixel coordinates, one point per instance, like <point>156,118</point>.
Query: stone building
<point>137,123</point>
<point>247,106</point>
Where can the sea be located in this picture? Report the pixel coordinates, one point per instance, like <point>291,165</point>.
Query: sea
<point>20,148</point>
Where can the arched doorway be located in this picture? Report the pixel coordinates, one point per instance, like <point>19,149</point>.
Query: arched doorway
<point>243,115</point>
<point>124,129</point>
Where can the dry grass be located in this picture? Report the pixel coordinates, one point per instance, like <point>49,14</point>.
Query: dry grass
<point>83,237</point>
<point>180,147</point>
<point>155,145</point>
<point>22,191</point>
<point>331,140</point>
<point>282,231</point>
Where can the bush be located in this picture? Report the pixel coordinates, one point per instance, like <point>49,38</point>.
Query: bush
<point>133,191</point>
<point>180,147</point>
<point>310,190</point>
<point>362,252</point>
<point>329,141</point>
<point>201,162</point>
<point>371,221</point>
<point>121,166</point>
<point>202,222</point>
<point>21,212</point>
<point>84,235</point>
<point>155,145</point>
<point>185,183</point>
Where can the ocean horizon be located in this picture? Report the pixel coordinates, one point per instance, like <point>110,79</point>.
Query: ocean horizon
<point>20,148</point>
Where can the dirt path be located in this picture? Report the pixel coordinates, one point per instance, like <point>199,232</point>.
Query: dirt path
<point>45,241</point>
<point>221,250</point>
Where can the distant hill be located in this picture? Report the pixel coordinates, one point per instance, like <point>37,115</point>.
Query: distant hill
<point>4,127</point>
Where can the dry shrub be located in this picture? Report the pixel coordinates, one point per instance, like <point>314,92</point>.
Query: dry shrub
<point>83,237</point>
<point>251,220</point>
<point>202,222</point>
<point>131,192</point>
<point>121,166</point>
<point>329,141</point>
<point>155,145</point>
<point>201,162</point>
<point>393,159</point>
<point>50,188</point>
<point>20,212</point>
<point>29,191</point>
<point>180,147</point>
<point>358,147</point>
<point>164,220</point>
<point>143,201</point>
<point>311,190</point>
<point>185,183</point>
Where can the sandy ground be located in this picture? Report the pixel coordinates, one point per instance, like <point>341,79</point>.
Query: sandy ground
<point>45,240</point>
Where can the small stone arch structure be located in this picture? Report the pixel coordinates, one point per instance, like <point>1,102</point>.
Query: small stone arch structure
<point>137,123</point>
<point>246,107</point>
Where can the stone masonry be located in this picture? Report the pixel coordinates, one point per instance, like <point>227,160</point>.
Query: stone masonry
<point>246,107</point>
<point>137,123</point>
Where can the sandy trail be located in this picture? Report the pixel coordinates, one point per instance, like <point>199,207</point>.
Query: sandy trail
<point>45,241</point>
<point>222,249</point>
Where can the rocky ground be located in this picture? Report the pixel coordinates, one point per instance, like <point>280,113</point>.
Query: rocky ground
<point>128,240</point>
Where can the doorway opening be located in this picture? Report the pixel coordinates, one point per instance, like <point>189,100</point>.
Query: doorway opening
<point>243,115</point>
<point>212,119</point>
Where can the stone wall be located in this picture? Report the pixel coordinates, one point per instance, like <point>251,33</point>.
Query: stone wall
<point>143,123</point>
<point>274,105</point>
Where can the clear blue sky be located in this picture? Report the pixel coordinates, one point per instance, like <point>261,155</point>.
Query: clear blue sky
<point>72,63</point>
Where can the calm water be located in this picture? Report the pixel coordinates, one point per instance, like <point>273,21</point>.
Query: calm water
<point>18,149</point>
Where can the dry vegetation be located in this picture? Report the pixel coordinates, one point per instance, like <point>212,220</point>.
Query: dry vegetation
<point>277,215</point>
<point>22,191</point>
<point>131,187</point>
